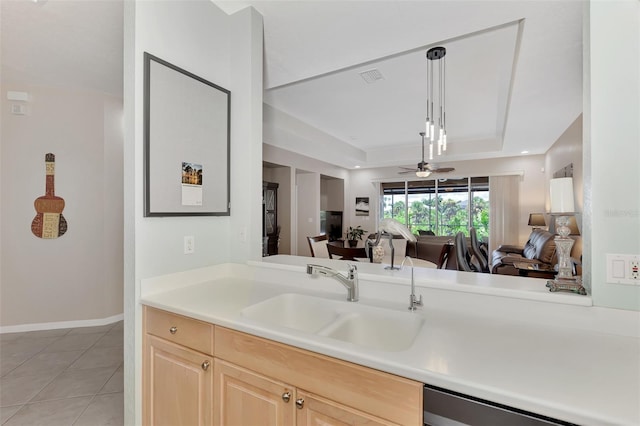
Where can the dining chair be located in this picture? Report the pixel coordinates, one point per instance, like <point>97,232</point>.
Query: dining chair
<point>317,246</point>
<point>477,252</point>
<point>462,254</point>
<point>347,253</point>
<point>445,255</point>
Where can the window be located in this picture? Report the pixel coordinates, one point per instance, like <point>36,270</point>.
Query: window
<point>443,206</point>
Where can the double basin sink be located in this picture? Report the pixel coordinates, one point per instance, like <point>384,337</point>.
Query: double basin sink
<point>362,325</point>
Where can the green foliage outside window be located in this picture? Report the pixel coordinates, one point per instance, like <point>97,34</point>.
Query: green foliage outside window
<point>452,215</point>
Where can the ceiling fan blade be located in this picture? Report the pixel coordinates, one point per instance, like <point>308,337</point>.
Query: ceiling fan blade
<point>406,172</point>
<point>443,170</point>
<point>413,169</point>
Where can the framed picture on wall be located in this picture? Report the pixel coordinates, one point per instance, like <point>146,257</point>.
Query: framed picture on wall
<point>186,142</point>
<point>362,206</point>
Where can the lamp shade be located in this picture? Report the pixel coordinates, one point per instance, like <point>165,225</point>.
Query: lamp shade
<point>561,194</point>
<point>537,219</point>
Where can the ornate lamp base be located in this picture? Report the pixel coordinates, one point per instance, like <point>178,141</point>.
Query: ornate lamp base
<point>567,284</point>
<point>565,279</point>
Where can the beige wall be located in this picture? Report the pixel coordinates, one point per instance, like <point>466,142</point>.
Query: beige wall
<point>308,210</point>
<point>78,276</point>
<point>567,150</point>
<point>302,164</point>
<point>331,194</point>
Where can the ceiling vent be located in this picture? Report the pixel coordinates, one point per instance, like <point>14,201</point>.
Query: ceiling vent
<point>371,76</point>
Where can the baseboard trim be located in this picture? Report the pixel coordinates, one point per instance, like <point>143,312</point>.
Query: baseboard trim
<point>61,324</point>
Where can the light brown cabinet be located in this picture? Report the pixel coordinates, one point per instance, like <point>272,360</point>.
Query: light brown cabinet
<point>244,397</point>
<point>238,379</point>
<point>316,410</point>
<point>321,387</point>
<point>177,380</point>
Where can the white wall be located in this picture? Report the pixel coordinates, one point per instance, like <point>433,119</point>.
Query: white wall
<point>226,50</point>
<point>77,277</point>
<point>612,150</point>
<point>532,186</point>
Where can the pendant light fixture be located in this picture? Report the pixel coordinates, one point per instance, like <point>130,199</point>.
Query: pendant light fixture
<point>436,125</point>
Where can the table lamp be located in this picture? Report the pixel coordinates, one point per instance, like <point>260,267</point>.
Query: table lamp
<point>563,209</point>
<point>536,220</point>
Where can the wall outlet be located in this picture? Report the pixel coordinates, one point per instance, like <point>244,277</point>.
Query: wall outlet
<point>623,269</point>
<point>189,244</point>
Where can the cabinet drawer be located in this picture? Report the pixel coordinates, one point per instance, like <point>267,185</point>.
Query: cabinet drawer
<point>380,394</point>
<point>184,331</point>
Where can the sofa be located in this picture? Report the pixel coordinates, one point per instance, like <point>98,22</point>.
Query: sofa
<point>540,248</point>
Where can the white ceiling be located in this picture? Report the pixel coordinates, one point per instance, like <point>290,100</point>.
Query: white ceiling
<point>514,68</point>
<point>514,72</point>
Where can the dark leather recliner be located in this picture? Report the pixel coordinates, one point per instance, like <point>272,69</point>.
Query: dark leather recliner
<point>540,249</point>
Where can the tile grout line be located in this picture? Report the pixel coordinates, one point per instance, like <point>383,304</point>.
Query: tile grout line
<point>93,396</point>
<point>35,354</point>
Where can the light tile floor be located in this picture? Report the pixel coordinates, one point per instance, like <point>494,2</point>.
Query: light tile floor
<point>62,377</point>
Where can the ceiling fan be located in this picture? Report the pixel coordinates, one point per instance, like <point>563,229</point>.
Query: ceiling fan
<point>424,169</point>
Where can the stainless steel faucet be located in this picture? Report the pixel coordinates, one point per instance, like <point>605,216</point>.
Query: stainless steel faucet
<point>350,281</point>
<point>413,302</point>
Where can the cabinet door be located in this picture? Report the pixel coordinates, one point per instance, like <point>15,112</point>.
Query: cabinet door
<point>177,385</point>
<point>243,397</point>
<point>314,410</point>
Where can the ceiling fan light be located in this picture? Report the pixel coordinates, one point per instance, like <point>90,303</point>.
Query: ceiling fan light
<point>444,142</point>
<point>423,173</point>
<point>431,151</point>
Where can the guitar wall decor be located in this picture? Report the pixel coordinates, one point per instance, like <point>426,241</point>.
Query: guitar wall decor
<point>49,222</point>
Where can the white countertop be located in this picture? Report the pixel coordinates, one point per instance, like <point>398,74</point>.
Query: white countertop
<point>507,350</point>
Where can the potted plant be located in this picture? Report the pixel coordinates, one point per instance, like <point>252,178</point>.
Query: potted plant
<point>354,234</point>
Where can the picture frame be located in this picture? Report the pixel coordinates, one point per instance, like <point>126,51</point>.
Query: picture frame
<point>362,206</point>
<point>186,129</point>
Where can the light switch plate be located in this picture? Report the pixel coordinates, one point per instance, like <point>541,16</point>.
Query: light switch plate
<point>623,269</point>
<point>189,244</point>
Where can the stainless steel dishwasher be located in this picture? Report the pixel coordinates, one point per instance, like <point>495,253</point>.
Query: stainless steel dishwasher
<point>446,408</point>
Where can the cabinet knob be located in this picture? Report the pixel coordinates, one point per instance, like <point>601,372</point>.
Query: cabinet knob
<point>286,396</point>
<point>173,330</point>
<point>205,365</point>
<point>299,403</point>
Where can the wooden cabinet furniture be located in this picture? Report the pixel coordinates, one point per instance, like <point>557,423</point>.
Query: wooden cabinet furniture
<point>270,228</point>
<point>244,397</point>
<point>320,387</point>
<point>177,378</point>
<point>198,374</point>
